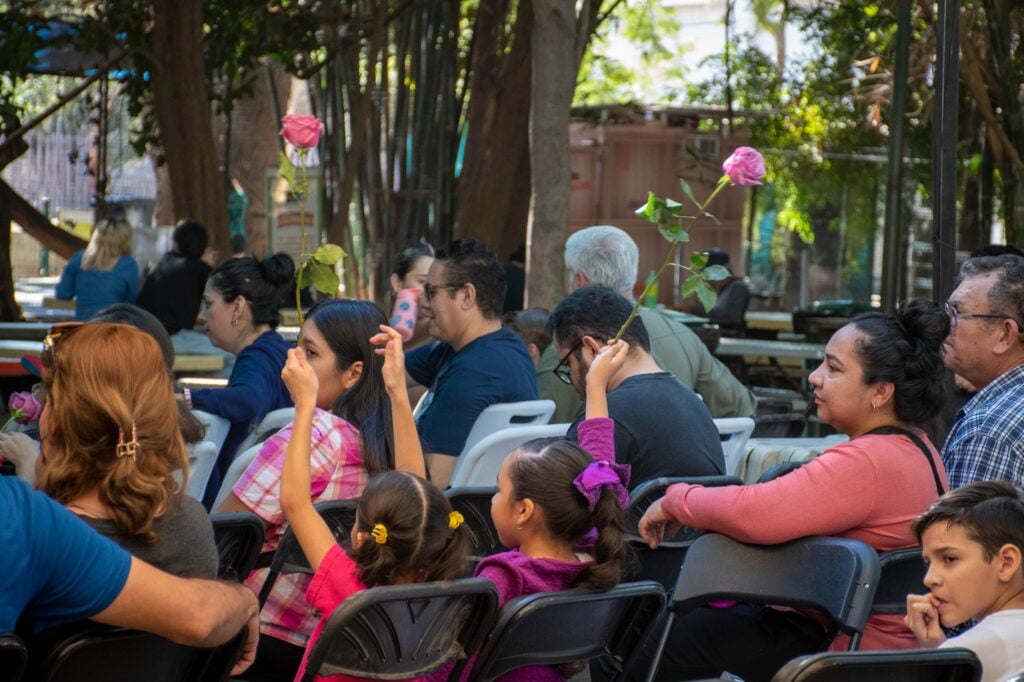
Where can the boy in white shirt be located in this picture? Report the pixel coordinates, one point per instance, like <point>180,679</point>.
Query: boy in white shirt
<point>972,540</point>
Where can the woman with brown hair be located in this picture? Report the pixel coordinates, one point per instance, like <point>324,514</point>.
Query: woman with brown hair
<point>111,443</point>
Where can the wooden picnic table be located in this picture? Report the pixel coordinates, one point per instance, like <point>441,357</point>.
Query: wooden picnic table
<point>182,363</point>
<point>769,321</point>
<point>24,331</point>
<point>755,348</point>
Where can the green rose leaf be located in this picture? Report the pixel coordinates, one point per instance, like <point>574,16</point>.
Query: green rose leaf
<point>687,190</point>
<point>715,273</point>
<point>673,233</point>
<point>706,294</point>
<point>690,285</point>
<point>322,277</point>
<point>647,211</point>
<point>328,254</point>
<point>285,169</point>
<point>698,260</point>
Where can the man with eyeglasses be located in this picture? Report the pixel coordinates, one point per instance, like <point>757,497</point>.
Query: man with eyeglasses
<point>476,364</point>
<point>985,347</point>
<point>606,256</point>
<point>661,427</point>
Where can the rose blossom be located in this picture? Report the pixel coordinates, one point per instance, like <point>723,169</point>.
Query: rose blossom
<point>302,130</point>
<point>27,404</point>
<point>745,167</point>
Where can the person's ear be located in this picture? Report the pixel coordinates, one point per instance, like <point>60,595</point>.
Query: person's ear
<point>882,394</point>
<point>358,538</point>
<point>524,511</point>
<point>396,284</point>
<point>350,377</point>
<point>534,352</point>
<point>579,280</point>
<point>1009,561</point>
<point>592,344</point>
<point>238,307</point>
<point>468,295</point>
<point>1009,337</point>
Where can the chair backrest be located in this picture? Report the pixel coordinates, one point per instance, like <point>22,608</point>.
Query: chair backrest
<point>475,506</point>
<point>239,537</point>
<point>94,653</point>
<point>550,628</point>
<point>914,665</point>
<point>734,432</point>
<point>835,575</point>
<point>503,415</point>
<point>479,465</point>
<point>202,456</point>
<point>662,564</point>
<point>238,466</point>
<point>903,573</point>
<point>271,423</point>
<point>404,631</point>
<point>216,427</point>
<point>340,515</point>
<point>778,471</point>
<point>13,658</point>
<point>787,425</point>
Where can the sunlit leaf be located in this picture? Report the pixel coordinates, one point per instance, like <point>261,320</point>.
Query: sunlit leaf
<point>647,211</point>
<point>715,273</point>
<point>328,254</point>
<point>673,233</point>
<point>285,169</point>
<point>687,190</point>
<point>698,260</point>
<point>706,295</point>
<point>323,277</point>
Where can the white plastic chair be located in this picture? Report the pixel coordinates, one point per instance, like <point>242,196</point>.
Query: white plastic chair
<point>235,471</point>
<point>500,416</point>
<point>479,466</point>
<point>201,458</point>
<point>216,427</point>
<point>735,432</point>
<point>268,426</point>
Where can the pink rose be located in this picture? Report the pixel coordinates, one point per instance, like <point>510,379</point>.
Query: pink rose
<point>28,406</point>
<point>302,130</point>
<point>745,167</point>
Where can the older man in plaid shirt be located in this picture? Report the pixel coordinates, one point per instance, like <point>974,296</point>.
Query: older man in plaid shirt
<point>985,346</point>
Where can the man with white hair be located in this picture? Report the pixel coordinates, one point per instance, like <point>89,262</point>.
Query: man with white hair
<point>607,256</point>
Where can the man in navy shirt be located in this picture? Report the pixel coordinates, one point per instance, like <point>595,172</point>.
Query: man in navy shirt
<point>55,569</point>
<point>477,362</point>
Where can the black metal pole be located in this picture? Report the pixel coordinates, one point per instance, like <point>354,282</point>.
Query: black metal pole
<point>944,137</point>
<point>893,265</point>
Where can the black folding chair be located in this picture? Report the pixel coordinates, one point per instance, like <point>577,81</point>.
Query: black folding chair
<point>837,576</point>
<point>13,658</point>
<point>88,652</point>
<point>550,628</point>
<point>400,632</point>
<point>778,471</point>
<point>340,516</point>
<point>663,564</point>
<point>915,665</point>
<point>903,572</point>
<point>475,506</point>
<point>239,537</point>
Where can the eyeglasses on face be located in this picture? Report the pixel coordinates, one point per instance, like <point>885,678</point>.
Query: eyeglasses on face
<point>955,315</point>
<point>562,370</point>
<point>430,290</point>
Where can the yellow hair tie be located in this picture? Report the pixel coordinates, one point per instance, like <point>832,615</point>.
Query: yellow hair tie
<point>455,520</point>
<point>379,533</point>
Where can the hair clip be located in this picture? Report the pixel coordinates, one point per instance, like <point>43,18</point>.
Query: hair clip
<point>129,449</point>
<point>455,519</point>
<point>379,533</point>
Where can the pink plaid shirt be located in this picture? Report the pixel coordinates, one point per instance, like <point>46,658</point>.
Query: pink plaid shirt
<point>337,473</point>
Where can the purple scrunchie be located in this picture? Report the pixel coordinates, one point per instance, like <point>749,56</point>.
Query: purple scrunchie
<point>603,473</point>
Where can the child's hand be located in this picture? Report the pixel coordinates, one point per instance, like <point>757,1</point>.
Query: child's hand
<point>606,363</point>
<point>654,524</point>
<point>300,379</point>
<point>923,620</point>
<point>393,371</point>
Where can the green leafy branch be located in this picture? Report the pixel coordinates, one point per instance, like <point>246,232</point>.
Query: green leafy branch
<point>668,215</point>
<point>315,269</point>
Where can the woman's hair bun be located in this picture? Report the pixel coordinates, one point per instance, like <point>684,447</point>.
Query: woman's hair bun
<point>279,268</point>
<point>924,322</point>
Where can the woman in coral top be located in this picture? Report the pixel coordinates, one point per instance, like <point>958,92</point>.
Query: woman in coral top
<point>881,383</point>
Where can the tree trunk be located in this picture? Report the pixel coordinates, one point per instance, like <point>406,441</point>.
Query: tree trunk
<point>553,84</point>
<point>10,311</point>
<point>184,119</point>
<point>492,205</point>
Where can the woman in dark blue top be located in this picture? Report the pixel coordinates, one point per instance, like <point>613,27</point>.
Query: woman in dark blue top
<point>241,302</point>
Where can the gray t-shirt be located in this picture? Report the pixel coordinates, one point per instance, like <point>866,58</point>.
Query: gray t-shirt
<point>185,547</point>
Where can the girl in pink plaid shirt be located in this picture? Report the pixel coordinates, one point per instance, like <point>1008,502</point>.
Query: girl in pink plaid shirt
<point>394,540</point>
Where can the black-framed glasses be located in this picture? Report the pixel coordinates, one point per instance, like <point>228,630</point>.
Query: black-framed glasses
<point>955,315</point>
<point>430,290</point>
<point>561,370</point>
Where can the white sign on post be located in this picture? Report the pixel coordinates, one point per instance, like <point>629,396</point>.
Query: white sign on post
<point>283,214</point>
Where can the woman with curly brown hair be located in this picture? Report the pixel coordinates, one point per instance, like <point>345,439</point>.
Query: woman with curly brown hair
<point>111,443</point>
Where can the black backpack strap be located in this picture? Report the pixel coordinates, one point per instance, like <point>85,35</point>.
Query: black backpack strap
<point>916,440</point>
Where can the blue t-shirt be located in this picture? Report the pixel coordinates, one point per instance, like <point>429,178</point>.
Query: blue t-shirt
<point>94,290</point>
<point>493,368</point>
<point>53,568</point>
